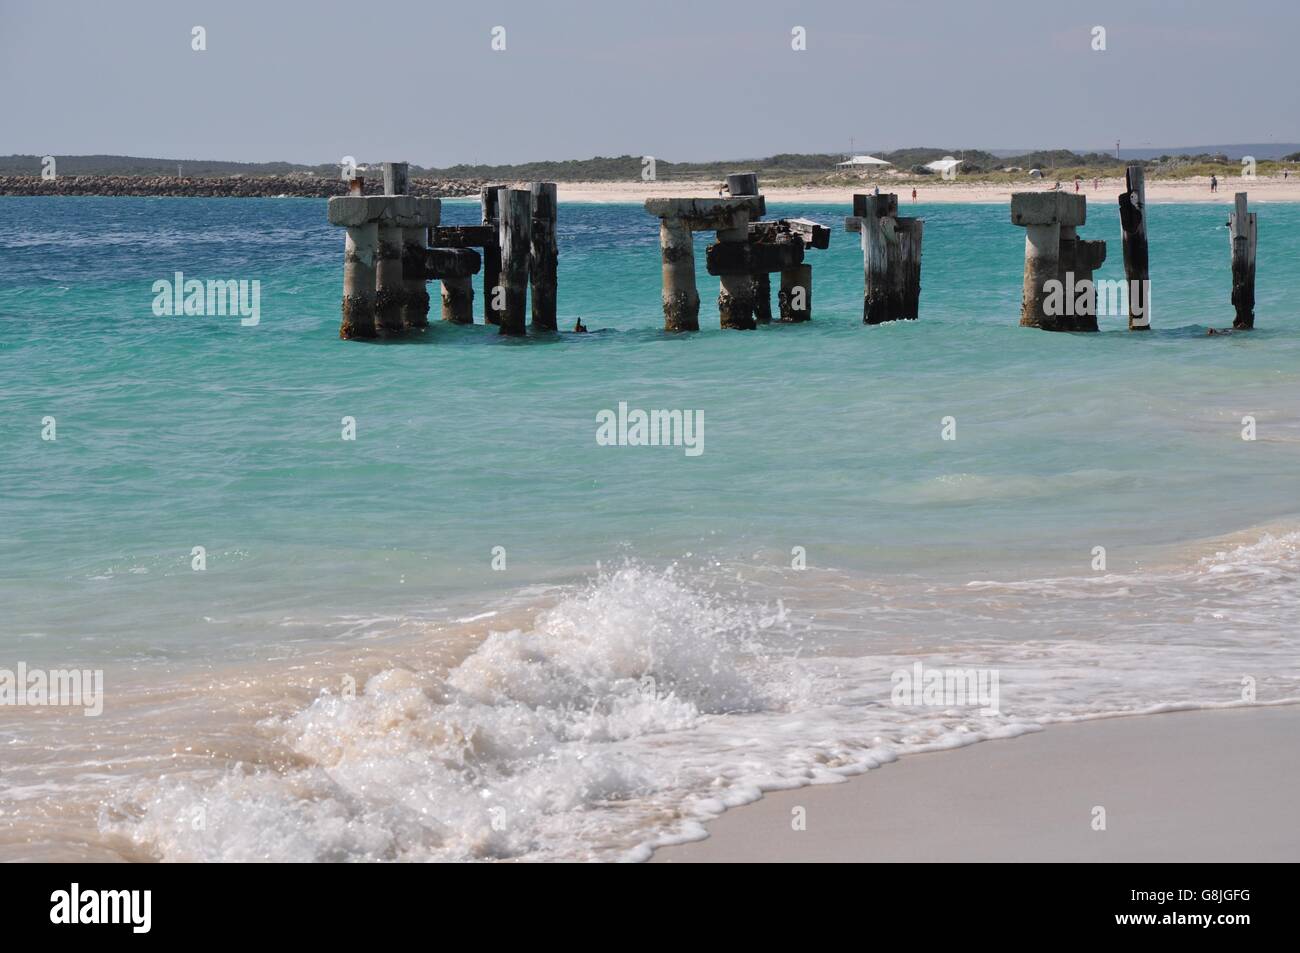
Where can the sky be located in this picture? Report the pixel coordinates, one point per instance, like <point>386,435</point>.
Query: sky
<point>682,81</point>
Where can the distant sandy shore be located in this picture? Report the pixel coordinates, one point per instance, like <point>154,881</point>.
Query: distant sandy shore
<point>1182,190</point>
<point>1190,786</point>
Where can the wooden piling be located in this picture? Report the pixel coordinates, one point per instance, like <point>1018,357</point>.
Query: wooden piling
<point>491,253</point>
<point>681,299</point>
<point>515,209</point>
<point>359,282</point>
<point>543,256</point>
<point>905,269</point>
<point>1133,221</point>
<point>1243,235</point>
<point>795,297</point>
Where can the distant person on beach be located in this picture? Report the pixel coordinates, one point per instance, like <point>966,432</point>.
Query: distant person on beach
<point>579,328</point>
<point>1095,185</point>
<point>876,190</point>
<point>1076,186</point>
<point>1214,183</point>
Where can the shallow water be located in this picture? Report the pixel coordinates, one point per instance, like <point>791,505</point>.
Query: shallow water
<point>648,654</point>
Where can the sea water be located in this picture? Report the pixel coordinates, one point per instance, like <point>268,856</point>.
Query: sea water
<point>477,631</point>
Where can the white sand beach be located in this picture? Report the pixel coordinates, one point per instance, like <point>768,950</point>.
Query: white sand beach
<point>1188,786</point>
<point>937,190</point>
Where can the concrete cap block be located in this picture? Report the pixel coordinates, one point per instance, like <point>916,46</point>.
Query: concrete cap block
<point>403,211</point>
<point>1048,208</point>
<point>705,214</point>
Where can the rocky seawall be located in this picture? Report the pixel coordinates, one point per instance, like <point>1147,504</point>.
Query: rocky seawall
<point>270,186</point>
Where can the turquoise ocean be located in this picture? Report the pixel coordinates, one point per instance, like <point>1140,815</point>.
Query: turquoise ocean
<point>473,632</point>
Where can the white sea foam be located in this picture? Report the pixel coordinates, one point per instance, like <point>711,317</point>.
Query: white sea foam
<point>639,706</point>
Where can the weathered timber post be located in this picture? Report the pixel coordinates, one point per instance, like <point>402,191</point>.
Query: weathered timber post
<point>366,271</point>
<point>745,184</point>
<point>1137,272</point>
<point>1088,257</point>
<point>543,256</point>
<point>678,218</point>
<point>1044,215</point>
<point>515,209</point>
<point>491,254</point>
<point>891,258</point>
<point>1243,234</point>
<point>795,297</point>
<point>415,296</point>
<point>905,287</point>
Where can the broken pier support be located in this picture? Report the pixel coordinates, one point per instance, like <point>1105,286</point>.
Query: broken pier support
<point>1057,262</point>
<point>515,207</point>
<point>543,255</point>
<point>891,258</point>
<point>1243,235</point>
<point>1137,269</point>
<point>375,299</point>
<point>678,218</point>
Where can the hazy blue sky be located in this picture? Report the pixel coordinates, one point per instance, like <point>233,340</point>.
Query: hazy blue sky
<point>677,80</point>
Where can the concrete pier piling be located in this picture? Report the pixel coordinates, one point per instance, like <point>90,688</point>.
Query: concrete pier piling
<point>891,258</point>
<point>680,296</point>
<point>543,255</point>
<point>515,207</point>
<point>491,252</point>
<point>375,261</point>
<point>796,293</point>
<point>1243,235</point>
<point>1137,270</point>
<point>390,288</point>
<point>678,218</point>
<point>359,281</point>
<point>1057,262</point>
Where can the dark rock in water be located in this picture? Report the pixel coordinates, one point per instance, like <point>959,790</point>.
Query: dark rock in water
<point>231,186</point>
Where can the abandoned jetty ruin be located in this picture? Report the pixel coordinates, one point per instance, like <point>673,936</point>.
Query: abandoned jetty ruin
<point>891,258</point>
<point>748,250</point>
<point>1059,291</point>
<point>395,244</point>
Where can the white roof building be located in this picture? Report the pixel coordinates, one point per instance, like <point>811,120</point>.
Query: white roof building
<point>943,165</point>
<point>862,160</point>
